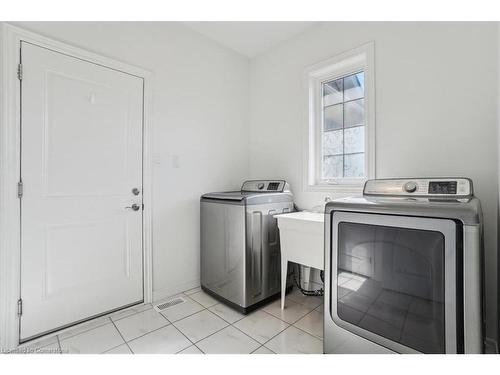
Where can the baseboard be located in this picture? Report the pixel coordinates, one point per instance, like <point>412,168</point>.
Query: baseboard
<point>174,289</point>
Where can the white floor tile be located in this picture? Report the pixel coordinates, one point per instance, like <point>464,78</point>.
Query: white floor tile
<point>204,299</point>
<point>180,311</point>
<point>95,341</point>
<point>83,327</point>
<point>166,340</point>
<point>122,349</point>
<point>130,311</point>
<point>198,326</point>
<point>191,350</point>
<point>294,341</point>
<point>228,341</point>
<point>312,323</point>
<point>292,312</point>
<point>309,301</point>
<point>263,350</point>
<point>191,291</point>
<point>261,326</point>
<point>225,312</point>
<point>141,323</point>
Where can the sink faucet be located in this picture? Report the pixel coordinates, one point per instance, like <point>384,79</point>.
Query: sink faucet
<point>328,199</point>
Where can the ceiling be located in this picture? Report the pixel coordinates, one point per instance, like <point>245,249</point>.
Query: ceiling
<point>250,38</point>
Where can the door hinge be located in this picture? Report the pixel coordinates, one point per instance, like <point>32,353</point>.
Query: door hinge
<point>20,189</point>
<point>19,307</point>
<point>20,71</point>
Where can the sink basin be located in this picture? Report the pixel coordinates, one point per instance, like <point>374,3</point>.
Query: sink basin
<point>304,215</point>
<point>302,236</point>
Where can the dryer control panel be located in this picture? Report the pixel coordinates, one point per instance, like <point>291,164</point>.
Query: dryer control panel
<point>421,187</point>
<point>265,186</point>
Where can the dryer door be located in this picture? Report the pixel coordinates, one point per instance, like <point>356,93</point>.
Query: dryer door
<point>393,280</point>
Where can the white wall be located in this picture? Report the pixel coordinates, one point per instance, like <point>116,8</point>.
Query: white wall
<point>436,109</point>
<point>200,105</point>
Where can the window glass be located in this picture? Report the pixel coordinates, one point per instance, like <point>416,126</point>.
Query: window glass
<point>391,282</point>
<point>354,86</point>
<point>354,165</point>
<point>333,143</point>
<point>343,128</point>
<point>354,113</point>
<point>332,92</point>
<point>332,165</point>
<point>333,117</point>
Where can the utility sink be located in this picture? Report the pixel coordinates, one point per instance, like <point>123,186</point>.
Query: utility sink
<point>302,241</point>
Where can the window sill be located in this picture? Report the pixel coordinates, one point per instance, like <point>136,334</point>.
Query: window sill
<point>336,188</point>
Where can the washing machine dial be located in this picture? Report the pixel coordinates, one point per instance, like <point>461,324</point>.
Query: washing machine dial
<point>260,186</point>
<point>410,187</point>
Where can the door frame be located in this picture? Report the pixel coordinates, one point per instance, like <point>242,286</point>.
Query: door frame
<point>10,210</point>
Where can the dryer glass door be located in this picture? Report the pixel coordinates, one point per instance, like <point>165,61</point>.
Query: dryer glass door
<point>393,283</point>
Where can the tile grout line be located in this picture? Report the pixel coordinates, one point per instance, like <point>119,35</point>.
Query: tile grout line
<point>192,343</point>
<point>289,325</point>
<point>208,309</point>
<point>229,325</point>
<point>256,349</point>
<point>272,337</point>
<point>237,320</point>
<point>309,313</point>
<point>128,316</point>
<point>314,336</point>
<point>173,325</point>
<point>295,321</point>
<point>89,322</point>
<point>123,338</point>
<point>187,316</point>
<point>258,342</point>
<point>213,333</point>
<point>154,330</point>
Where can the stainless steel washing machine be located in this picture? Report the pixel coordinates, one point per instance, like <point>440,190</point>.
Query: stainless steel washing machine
<point>240,247</point>
<point>403,269</point>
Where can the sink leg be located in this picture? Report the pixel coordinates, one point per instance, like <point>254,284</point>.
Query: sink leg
<point>284,271</point>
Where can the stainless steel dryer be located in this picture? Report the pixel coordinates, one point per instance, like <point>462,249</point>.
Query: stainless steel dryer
<point>403,269</point>
<point>240,247</point>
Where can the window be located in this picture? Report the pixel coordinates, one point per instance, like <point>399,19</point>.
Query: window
<point>340,138</point>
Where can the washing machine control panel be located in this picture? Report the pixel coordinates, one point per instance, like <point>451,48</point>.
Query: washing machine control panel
<point>422,187</point>
<point>264,186</point>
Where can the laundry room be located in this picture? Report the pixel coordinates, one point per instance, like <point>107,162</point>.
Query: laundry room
<point>299,186</point>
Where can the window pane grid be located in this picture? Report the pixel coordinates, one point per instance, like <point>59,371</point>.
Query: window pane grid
<point>343,102</point>
<point>350,127</point>
<point>343,127</point>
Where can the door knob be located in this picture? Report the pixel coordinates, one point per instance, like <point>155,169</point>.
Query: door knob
<point>134,207</point>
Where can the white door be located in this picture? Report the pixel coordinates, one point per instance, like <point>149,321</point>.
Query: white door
<point>81,157</point>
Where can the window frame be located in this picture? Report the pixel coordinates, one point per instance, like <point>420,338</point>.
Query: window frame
<point>347,63</point>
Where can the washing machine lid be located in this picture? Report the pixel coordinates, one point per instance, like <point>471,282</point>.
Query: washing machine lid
<point>255,192</point>
<point>248,198</point>
<point>466,210</point>
<point>447,198</point>
<point>225,195</point>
